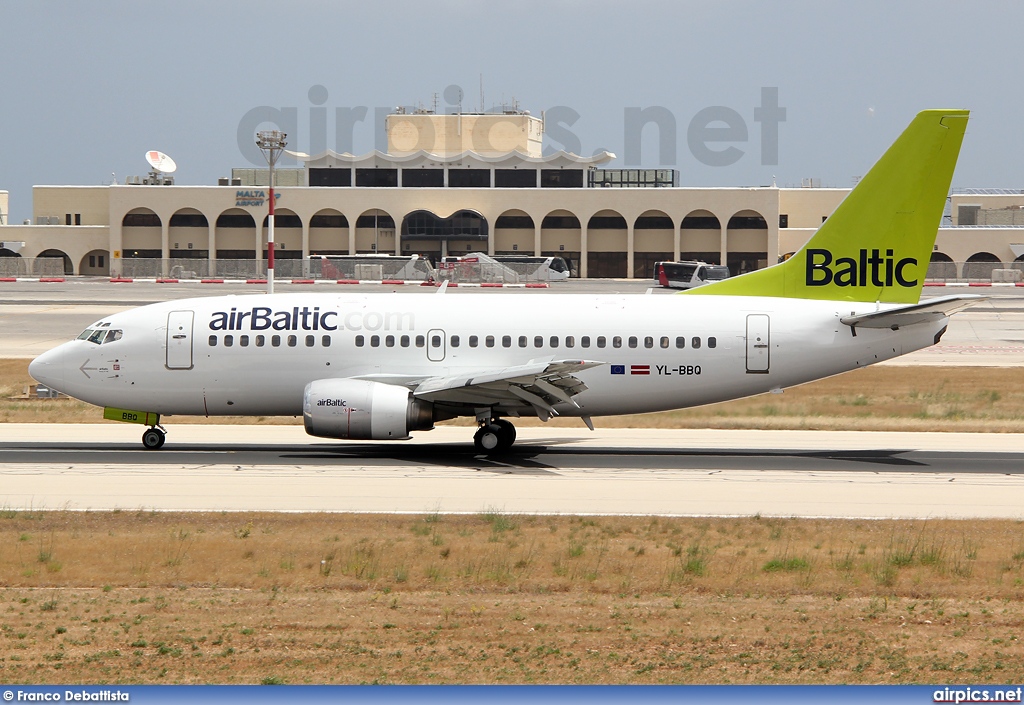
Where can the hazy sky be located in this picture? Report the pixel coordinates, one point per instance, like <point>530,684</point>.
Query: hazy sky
<point>89,87</point>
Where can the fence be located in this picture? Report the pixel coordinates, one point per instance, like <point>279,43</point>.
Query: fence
<point>968,271</point>
<point>31,266</point>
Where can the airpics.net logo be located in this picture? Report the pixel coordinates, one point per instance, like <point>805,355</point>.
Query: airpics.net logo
<point>869,268</point>
<point>716,135</point>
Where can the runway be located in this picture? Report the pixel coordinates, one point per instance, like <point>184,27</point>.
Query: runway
<point>550,471</point>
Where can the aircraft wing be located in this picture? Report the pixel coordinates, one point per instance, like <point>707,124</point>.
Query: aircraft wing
<point>540,385</point>
<point>931,310</point>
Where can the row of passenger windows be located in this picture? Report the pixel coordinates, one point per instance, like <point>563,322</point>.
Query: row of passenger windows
<point>275,341</point>
<point>553,341</point>
<point>455,341</point>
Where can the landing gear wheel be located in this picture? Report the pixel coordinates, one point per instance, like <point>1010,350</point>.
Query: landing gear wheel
<point>495,437</point>
<point>153,439</point>
<point>508,433</point>
<point>488,438</point>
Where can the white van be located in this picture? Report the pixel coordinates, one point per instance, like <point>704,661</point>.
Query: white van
<point>686,275</point>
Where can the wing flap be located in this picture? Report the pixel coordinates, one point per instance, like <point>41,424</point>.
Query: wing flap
<point>540,385</point>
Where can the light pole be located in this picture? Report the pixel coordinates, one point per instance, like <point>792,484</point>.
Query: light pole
<point>271,143</point>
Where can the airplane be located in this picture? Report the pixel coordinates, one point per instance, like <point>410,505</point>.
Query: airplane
<point>379,366</point>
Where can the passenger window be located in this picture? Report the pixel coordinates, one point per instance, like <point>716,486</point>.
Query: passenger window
<point>538,341</point>
<point>585,341</point>
<point>648,342</point>
<point>712,342</point>
<point>213,341</point>
<point>616,342</point>
<point>436,341</point>
<point>421,341</point>
<point>405,341</point>
<point>276,341</point>
<point>680,342</point>
<point>570,341</point>
<point>554,341</point>
<point>260,340</point>
<point>601,341</point>
<point>310,341</point>
<point>473,341</point>
<point>360,341</point>
<point>506,341</point>
<point>632,341</point>
<point>390,341</point>
<point>229,340</point>
<point>489,341</point>
<point>522,341</point>
<point>243,340</point>
<point>326,341</point>
<point>455,341</point>
<point>695,343</point>
<point>374,341</point>
<point>664,341</point>
<point>293,340</point>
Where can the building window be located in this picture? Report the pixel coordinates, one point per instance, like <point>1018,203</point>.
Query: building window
<point>515,178</point>
<point>422,178</point>
<point>469,178</point>
<point>330,177</point>
<point>376,177</point>
<point>561,178</point>
<point>783,220</point>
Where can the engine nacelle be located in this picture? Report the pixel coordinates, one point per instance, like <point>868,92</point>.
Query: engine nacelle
<point>363,411</point>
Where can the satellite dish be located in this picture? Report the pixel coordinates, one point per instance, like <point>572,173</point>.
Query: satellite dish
<point>161,162</point>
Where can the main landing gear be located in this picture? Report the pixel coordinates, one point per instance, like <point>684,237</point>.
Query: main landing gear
<point>153,438</point>
<point>494,436</point>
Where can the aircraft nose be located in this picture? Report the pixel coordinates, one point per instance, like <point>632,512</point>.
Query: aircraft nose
<point>48,368</point>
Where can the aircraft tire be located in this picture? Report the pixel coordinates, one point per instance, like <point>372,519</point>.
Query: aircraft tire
<point>488,438</point>
<point>153,439</point>
<point>508,434</point>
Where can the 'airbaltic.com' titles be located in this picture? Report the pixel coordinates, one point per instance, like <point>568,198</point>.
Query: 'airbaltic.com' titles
<point>381,366</point>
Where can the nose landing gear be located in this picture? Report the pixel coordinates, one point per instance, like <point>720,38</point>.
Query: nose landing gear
<point>494,436</point>
<point>153,438</point>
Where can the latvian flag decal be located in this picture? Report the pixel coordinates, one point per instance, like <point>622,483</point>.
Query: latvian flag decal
<point>639,369</point>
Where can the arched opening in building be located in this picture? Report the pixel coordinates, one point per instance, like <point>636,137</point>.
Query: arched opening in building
<point>941,267</point>
<point>47,266</point>
<point>653,241</point>
<point>746,242</point>
<point>188,238</point>
<point>700,237</point>
<point>461,232</point>
<point>607,245</point>
<point>141,235</point>
<point>375,232</point>
<point>328,233</point>
<point>561,236</point>
<point>287,242</point>
<point>234,233</point>
<point>96,263</point>
<point>979,266</point>
<point>513,233</point>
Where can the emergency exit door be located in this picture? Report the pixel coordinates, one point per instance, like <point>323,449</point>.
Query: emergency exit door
<point>758,342</point>
<point>179,340</point>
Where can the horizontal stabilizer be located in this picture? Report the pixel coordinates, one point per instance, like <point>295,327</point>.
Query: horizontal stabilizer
<point>926,312</point>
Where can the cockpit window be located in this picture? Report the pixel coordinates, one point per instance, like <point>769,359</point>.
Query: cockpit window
<point>100,336</point>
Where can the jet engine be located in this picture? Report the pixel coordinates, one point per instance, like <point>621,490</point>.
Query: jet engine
<point>362,410</point>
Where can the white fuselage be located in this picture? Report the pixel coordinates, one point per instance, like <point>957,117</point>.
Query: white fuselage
<point>202,356</point>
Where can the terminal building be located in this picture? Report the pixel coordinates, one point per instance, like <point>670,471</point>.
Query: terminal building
<point>451,184</point>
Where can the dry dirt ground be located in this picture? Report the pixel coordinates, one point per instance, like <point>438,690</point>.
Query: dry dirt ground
<point>496,598</point>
